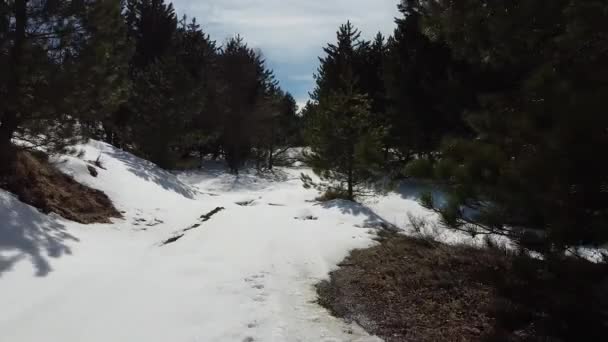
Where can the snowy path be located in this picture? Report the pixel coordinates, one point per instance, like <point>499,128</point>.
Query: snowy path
<point>246,274</point>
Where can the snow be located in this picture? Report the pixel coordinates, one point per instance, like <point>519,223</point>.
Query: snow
<point>397,206</point>
<point>246,274</point>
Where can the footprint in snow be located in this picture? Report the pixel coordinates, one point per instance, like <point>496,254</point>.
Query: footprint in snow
<point>246,203</point>
<point>306,218</point>
<point>256,282</point>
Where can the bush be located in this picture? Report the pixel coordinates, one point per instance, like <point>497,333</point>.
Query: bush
<point>419,168</point>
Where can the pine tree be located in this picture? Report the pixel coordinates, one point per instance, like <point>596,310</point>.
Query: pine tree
<point>340,59</point>
<point>345,145</point>
<point>171,73</point>
<point>56,70</point>
<point>344,137</point>
<point>533,164</point>
<point>244,87</point>
<point>426,91</point>
<point>277,127</point>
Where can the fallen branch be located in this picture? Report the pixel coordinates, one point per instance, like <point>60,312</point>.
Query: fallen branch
<point>203,218</point>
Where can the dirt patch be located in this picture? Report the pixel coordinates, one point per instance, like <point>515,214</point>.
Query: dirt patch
<point>408,289</point>
<point>245,203</point>
<point>204,218</point>
<point>38,183</point>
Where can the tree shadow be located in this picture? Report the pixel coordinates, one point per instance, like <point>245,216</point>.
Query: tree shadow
<point>412,189</point>
<point>372,220</point>
<point>248,178</point>
<point>27,233</point>
<point>151,172</point>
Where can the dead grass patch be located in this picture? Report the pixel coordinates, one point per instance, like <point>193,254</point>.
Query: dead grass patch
<point>408,289</point>
<point>38,183</point>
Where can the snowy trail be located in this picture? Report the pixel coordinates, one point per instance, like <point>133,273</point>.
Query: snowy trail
<point>246,274</point>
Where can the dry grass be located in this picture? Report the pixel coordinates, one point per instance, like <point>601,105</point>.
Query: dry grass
<point>408,289</point>
<point>36,182</point>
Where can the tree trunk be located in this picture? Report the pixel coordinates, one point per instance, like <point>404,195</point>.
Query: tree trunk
<point>271,147</point>
<point>108,134</point>
<point>271,161</point>
<point>10,120</point>
<point>386,155</point>
<point>8,126</point>
<point>350,179</point>
<point>7,129</point>
<point>350,186</point>
<point>201,156</point>
<point>271,157</point>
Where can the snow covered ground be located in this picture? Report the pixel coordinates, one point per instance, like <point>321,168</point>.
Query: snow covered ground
<point>246,274</point>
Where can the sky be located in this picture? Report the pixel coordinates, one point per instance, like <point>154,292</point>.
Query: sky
<point>290,33</point>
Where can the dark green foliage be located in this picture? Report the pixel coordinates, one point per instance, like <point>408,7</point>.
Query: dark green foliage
<point>279,128</point>
<point>540,123</point>
<point>190,97</point>
<point>244,98</point>
<point>344,136</point>
<point>166,72</point>
<point>341,61</point>
<point>426,88</point>
<point>345,144</point>
<point>60,66</point>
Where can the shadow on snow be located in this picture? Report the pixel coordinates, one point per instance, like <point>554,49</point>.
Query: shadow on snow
<point>412,189</point>
<point>248,179</point>
<point>151,173</point>
<point>26,233</point>
<point>371,219</point>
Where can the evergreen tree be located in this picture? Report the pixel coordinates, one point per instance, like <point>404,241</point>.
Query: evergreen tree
<point>151,30</point>
<point>344,137</point>
<point>345,145</point>
<point>371,69</point>
<point>57,69</point>
<point>426,89</point>
<point>339,61</point>
<point>533,163</point>
<point>172,74</point>
<point>278,127</point>
<point>244,87</point>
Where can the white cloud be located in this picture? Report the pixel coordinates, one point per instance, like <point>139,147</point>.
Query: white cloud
<point>289,32</point>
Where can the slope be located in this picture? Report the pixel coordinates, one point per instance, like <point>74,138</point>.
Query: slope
<point>245,274</point>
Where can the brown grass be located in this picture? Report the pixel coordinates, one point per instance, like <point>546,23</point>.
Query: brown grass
<point>408,289</point>
<point>38,183</point>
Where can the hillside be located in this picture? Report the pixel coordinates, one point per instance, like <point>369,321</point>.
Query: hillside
<point>245,273</point>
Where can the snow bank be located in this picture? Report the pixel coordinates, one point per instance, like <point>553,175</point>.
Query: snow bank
<point>245,274</point>
<point>401,203</point>
<point>130,181</point>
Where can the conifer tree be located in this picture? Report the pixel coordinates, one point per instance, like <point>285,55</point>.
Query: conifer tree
<point>345,145</point>
<point>426,90</point>
<point>244,88</point>
<point>277,128</point>
<point>339,60</point>
<point>533,163</point>
<point>57,69</point>
<point>344,138</point>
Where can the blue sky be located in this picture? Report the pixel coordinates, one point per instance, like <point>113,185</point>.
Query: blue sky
<point>290,33</point>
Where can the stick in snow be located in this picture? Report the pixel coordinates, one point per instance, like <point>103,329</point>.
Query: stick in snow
<point>204,218</point>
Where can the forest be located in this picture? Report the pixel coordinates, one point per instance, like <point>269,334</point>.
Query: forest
<point>500,105</point>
